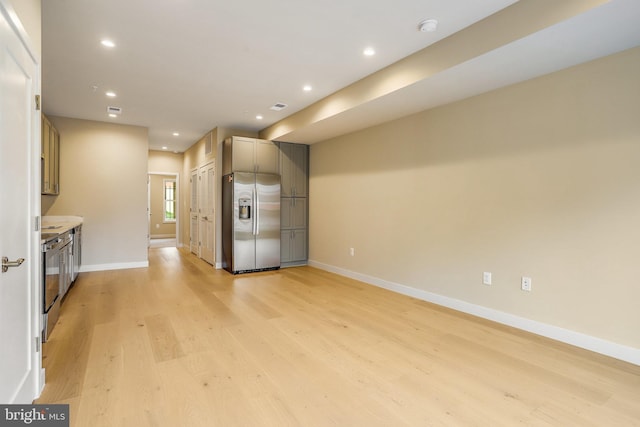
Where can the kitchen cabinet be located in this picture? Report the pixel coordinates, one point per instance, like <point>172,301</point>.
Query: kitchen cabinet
<point>293,213</point>
<point>76,253</point>
<point>50,158</point>
<point>294,177</point>
<point>241,154</point>
<point>293,246</point>
<point>294,161</point>
<point>66,269</point>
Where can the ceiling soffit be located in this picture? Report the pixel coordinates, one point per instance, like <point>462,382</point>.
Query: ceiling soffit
<point>507,26</point>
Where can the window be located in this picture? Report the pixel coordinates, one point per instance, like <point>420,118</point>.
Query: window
<point>169,186</point>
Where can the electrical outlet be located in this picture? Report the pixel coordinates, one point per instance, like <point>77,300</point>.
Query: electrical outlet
<point>486,278</point>
<point>526,284</point>
<point>352,251</point>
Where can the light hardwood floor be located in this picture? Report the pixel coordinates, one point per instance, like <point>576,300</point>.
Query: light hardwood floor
<point>181,344</point>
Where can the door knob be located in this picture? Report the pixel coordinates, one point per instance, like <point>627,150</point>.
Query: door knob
<point>6,263</point>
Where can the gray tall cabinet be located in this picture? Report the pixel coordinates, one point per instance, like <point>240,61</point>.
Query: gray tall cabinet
<point>294,176</point>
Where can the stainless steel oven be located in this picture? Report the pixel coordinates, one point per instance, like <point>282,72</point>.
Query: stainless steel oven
<point>52,253</point>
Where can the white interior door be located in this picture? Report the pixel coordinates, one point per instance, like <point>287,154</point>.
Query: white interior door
<point>193,214</point>
<point>19,180</point>
<point>206,202</point>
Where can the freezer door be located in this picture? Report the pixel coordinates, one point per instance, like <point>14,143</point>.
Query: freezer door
<point>227,222</point>
<point>244,222</point>
<point>268,221</point>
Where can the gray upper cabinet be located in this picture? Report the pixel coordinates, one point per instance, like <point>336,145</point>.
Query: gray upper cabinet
<point>294,160</point>
<point>241,154</point>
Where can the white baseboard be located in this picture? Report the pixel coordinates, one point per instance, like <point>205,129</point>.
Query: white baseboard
<point>115,266</point>
<point>43,379</point>
<point>598,345</point>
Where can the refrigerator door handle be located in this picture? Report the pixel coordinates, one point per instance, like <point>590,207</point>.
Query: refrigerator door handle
<point>257,215</point>
<point>253,218</point>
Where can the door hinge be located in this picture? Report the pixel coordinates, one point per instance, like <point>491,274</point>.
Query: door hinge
<point>37,344</point>
<point>37,102</point>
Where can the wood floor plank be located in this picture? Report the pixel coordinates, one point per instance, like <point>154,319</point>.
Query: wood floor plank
<point>182,344</point>
<point>163,339</point>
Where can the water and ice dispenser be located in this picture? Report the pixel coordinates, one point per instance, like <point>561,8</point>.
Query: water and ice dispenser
<point>244,206</point>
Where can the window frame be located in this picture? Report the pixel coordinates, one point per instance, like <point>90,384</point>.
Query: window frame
<point>166,220</point>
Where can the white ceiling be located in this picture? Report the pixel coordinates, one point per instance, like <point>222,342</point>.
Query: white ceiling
<point>188,66</point>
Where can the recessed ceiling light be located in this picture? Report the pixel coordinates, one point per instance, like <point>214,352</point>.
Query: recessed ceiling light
<point>176,134</point>
<point>107,43</point>
<point>307,88</point>
<point>111,94</point>
<point>369,51</point>
<point>164,148</point>
<point>259,117</point>
<point>113,115</point>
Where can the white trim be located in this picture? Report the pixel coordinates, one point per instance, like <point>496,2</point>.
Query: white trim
<point>42,379</point>
<point>115,266</point>
<point>598,345</point>
<point>15,23</point>
<point>174,200</point>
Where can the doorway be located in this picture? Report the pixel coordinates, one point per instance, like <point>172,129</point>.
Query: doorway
<point>163,209</point>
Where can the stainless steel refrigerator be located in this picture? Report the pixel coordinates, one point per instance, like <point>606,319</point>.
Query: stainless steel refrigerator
<point>250,222</point>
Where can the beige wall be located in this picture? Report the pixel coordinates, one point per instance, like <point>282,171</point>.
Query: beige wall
<point>162,161</point>
<point>30,14</point>
<point>159,228</point>
<point>538,179</point>
<point>103,178</point>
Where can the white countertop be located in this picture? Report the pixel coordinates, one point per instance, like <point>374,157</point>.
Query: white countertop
<point>59,224</point>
